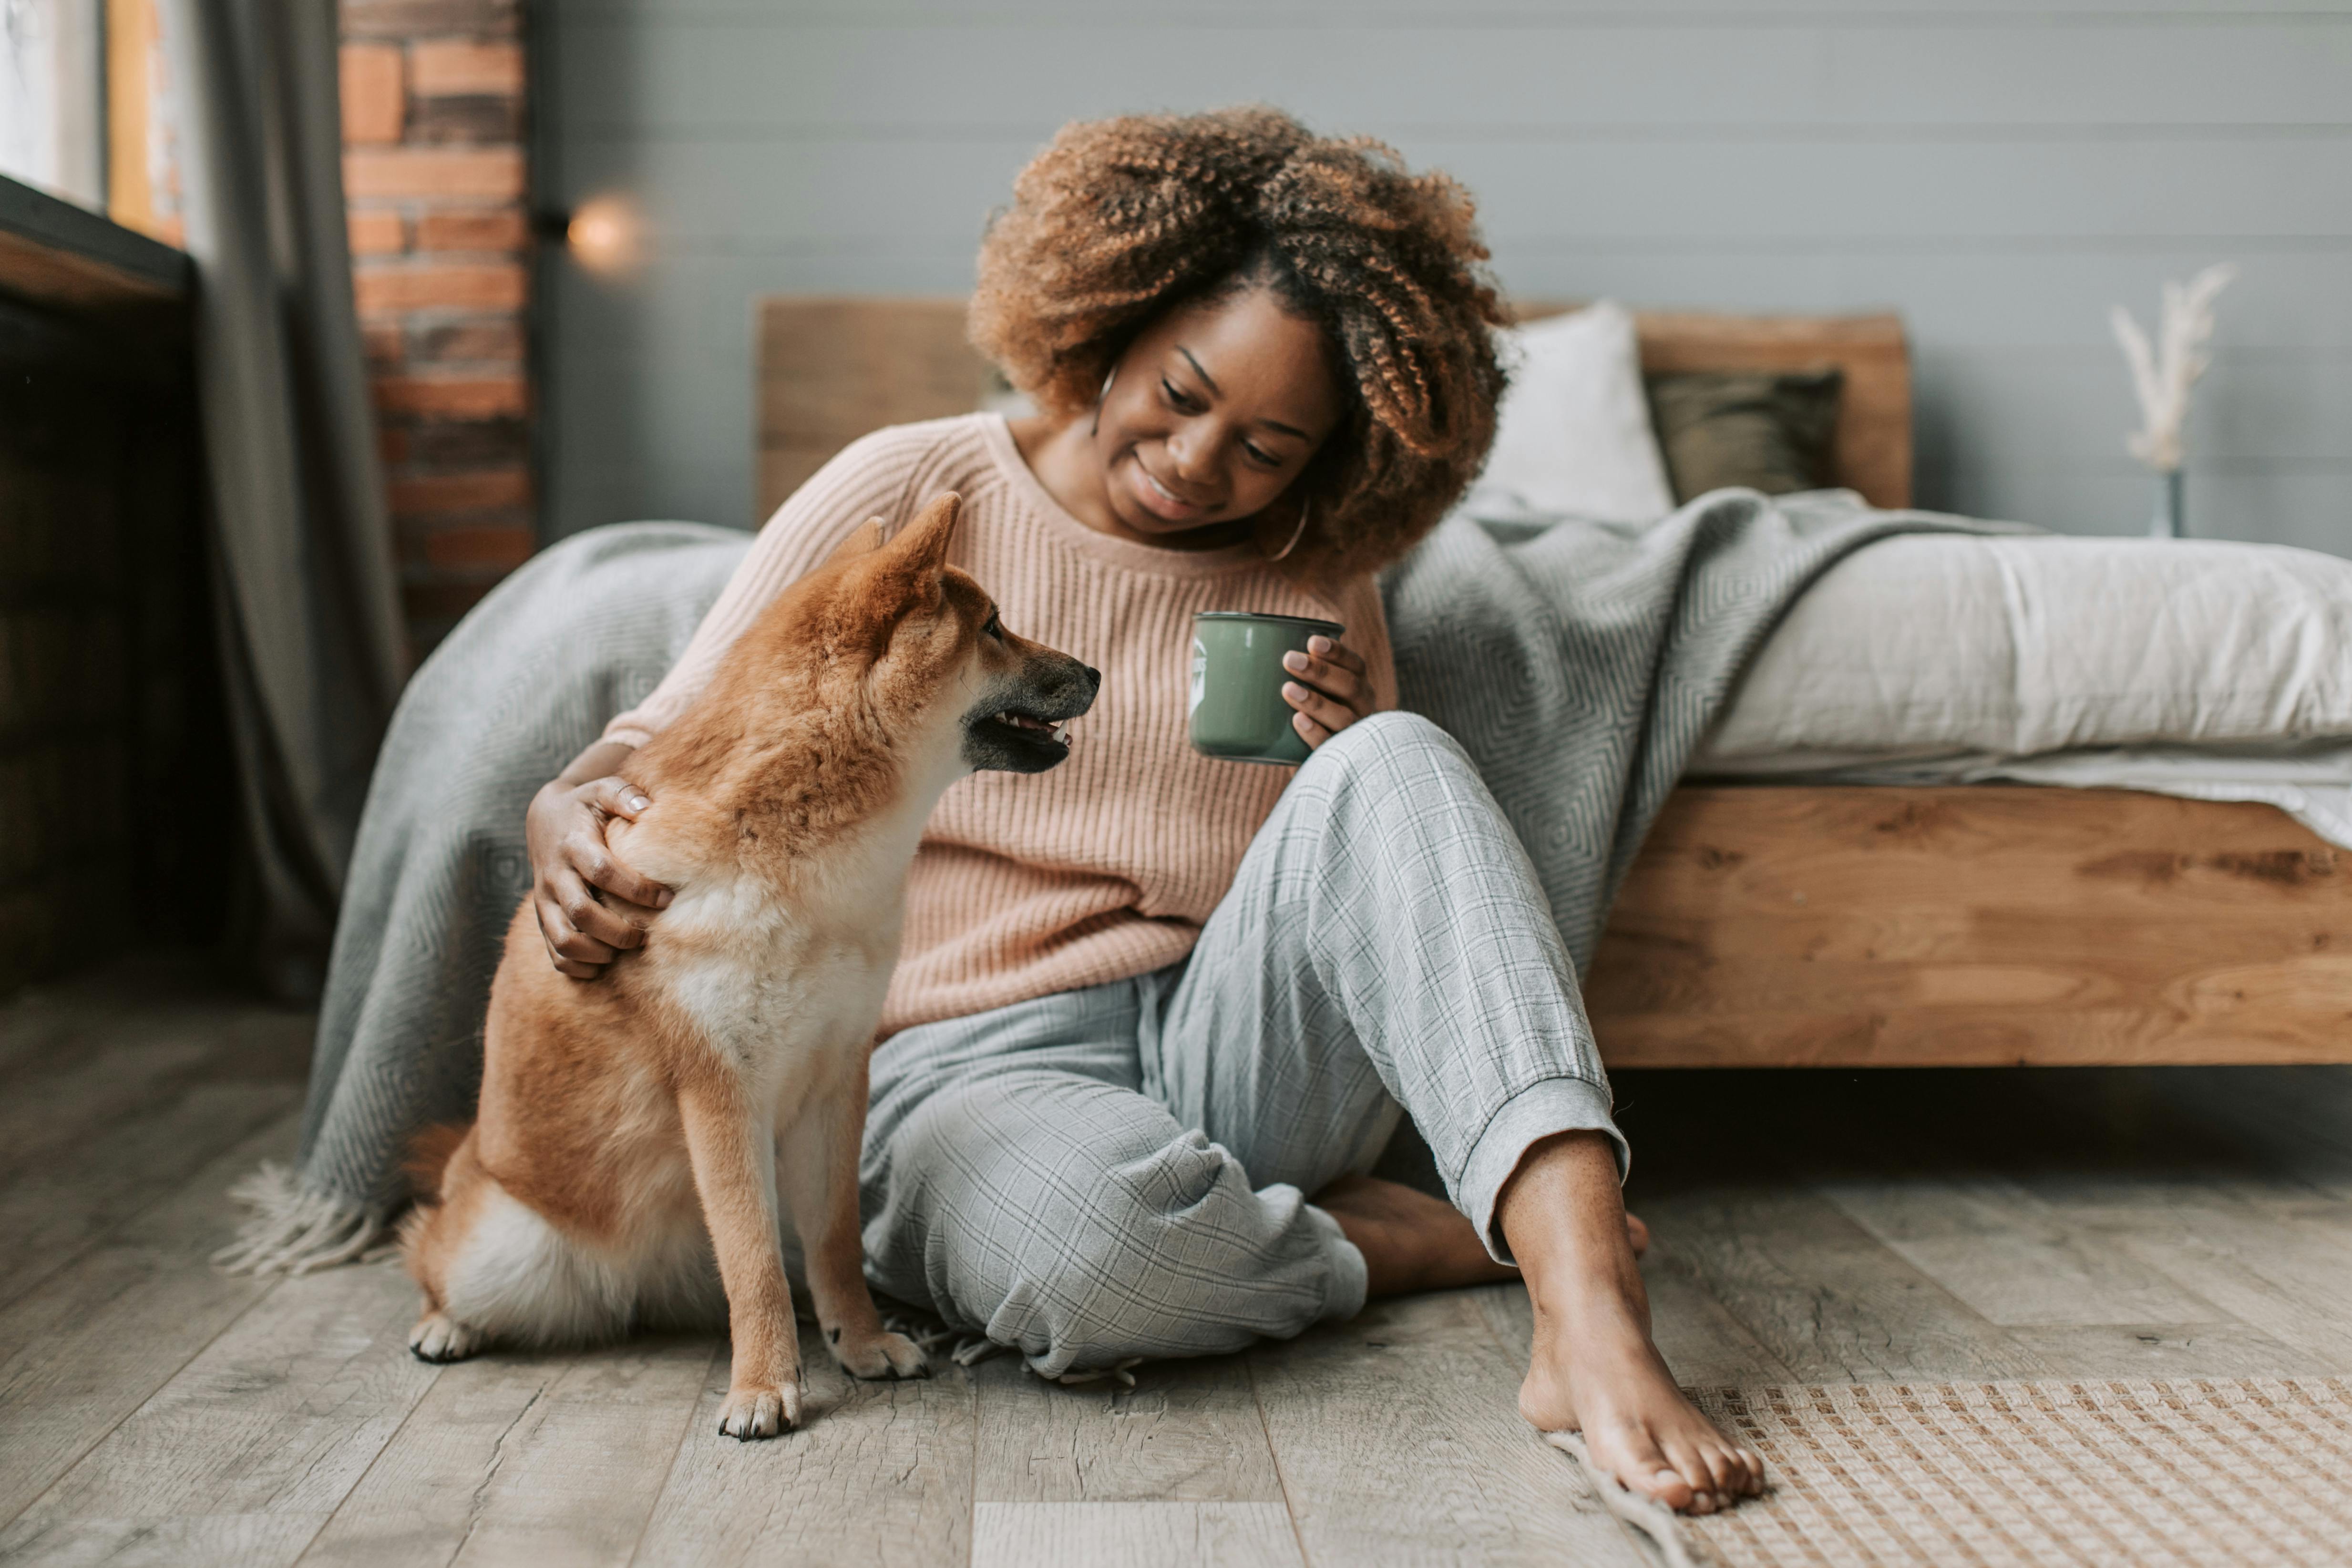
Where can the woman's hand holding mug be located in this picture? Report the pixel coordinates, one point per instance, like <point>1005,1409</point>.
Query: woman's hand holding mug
<point>1271,688</point>
<point>1330,691</point>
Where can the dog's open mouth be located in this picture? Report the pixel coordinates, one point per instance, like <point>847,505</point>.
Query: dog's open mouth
<point>1031,733</point>
<point>1058,728</point>
<point>1023,742</point>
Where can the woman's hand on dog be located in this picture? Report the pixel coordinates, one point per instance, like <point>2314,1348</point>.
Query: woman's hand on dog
<point>1329,692</point>
<point>590,905</point>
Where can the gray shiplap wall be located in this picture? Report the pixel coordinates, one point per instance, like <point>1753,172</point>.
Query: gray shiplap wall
<point>1999,174</point>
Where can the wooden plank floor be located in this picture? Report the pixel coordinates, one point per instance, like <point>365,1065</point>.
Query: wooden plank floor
<point>1810,1225</point>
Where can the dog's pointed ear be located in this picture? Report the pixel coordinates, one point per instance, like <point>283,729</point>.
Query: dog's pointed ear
<point>864,540</point>
<point>922,544</point>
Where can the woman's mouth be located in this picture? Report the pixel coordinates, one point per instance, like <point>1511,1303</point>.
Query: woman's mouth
<point>1160,500</point>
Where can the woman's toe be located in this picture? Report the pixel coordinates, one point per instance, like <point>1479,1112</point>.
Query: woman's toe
<point>1667,1485</point>
<point>1641,1467</point>
<point>1724,1469</point>
<point>1689,1462</point>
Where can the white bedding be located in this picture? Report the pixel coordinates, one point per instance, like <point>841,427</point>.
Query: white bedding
<point>2209,669</point>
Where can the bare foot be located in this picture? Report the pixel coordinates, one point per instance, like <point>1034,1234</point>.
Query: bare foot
<point>1411,1242</point>
<point>1593,1367</point>
<point>1599,1375</point>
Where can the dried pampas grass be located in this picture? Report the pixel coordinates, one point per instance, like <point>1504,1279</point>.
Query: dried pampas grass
<point>2164,375</point>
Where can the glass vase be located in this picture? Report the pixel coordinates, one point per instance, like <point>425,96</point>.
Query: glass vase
<point>2170,522</point>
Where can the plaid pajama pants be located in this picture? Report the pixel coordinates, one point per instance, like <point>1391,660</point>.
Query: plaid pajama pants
<point>1121,1171</point>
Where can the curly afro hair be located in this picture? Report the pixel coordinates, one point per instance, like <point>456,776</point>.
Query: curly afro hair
<point>1120,220</point>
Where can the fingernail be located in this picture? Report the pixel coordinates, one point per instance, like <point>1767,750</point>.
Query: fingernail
<point>1295,662</point>
<point>1292,690</point>
<point>638,802</point>
<point>1319,645</point>
<point>661,900</point>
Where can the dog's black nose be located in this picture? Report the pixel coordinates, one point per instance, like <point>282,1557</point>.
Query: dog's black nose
<point>1094,676</point>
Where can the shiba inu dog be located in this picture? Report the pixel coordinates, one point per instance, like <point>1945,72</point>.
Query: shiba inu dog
<point>635,1132</point>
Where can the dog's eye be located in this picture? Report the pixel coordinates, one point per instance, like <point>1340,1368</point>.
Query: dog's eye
<point>995,626</point>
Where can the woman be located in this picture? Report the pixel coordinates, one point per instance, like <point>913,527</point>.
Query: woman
<point>1150,1000</point>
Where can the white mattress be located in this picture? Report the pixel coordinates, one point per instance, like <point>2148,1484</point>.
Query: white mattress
<point>2208,670</point>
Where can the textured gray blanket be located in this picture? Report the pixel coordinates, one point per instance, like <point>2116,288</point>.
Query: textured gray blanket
<point>1579,663</point>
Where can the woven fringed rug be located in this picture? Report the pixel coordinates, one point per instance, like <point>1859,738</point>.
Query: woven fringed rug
<point>2203,1471</point>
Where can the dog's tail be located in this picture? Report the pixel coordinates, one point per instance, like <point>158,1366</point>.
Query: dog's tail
<point>428,1157</point>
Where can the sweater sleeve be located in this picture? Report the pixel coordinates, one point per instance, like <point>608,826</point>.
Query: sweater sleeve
<point>868,478</point>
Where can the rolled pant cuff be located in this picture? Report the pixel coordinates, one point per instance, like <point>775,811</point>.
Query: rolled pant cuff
<point>1350,1278</point>
<point>1536,1113</point>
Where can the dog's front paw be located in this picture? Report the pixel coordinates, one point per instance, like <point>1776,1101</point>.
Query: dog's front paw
<point>760,1412</point>
<point>438,1337</point>
<point>881,1354</point>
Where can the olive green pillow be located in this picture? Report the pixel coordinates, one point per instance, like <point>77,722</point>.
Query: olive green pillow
<point>1770,430</point>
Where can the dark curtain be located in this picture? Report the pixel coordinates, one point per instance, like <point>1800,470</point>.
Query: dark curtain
<point>311,641</point>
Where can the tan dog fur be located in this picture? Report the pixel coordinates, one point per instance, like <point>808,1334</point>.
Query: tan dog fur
<point>636,1129</point>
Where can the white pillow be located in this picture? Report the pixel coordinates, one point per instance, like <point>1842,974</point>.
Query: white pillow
<point>1573,433</point>
<point>1931,644</point>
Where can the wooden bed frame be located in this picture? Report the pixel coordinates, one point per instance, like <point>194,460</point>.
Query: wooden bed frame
<point>1802,925</point>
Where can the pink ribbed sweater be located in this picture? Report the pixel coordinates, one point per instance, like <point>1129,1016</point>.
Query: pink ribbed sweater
<point>1106,866</point>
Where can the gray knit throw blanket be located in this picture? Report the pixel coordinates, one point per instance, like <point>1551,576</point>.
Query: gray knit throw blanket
<point>1579,663</point>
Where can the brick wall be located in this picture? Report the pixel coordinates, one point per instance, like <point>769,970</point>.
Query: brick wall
<point>436,179</point>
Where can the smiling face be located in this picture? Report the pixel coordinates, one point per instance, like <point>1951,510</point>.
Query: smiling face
<point>1213,412</point>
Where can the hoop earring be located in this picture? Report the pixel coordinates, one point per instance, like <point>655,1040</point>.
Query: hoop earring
<point>1096,428</point>
<point>1306,510</point>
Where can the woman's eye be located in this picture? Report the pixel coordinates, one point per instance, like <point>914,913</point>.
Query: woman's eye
<point>1181,401</point>
<point>1266,458</point>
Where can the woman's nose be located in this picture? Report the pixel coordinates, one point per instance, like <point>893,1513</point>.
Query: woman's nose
<point>1189,450</point>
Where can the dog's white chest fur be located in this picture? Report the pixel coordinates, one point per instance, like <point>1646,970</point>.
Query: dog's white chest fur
<point>782,989</point>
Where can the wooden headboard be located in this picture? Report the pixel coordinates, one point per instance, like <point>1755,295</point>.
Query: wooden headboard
<point>832,368</point>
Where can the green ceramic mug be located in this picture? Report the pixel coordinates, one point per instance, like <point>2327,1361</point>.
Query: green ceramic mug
<point>1238,713</point>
